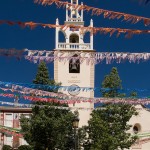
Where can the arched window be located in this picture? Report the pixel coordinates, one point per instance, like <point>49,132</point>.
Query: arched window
<point>61,37</point>
<point>74,38</point>
<point>74,65</point>
<point>136,128</point>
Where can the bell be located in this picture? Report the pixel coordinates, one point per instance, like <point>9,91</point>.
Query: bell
<point>74,67</point>
<point>73,12</point>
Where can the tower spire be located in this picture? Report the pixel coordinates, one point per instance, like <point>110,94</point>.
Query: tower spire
<point>73,14</point>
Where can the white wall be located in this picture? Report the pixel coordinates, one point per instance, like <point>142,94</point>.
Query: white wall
<point>143,119</point>
<point>83,79</point>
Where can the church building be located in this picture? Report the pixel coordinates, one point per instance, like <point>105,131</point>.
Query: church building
<point>76,74</point>
<point>73,73</point>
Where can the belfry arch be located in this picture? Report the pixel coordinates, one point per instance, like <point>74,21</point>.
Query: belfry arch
<point>74,38</point>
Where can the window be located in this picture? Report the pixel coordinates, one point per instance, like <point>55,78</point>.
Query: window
<point>74,65</point>
<point>74,38</point>
<point>136,128</point>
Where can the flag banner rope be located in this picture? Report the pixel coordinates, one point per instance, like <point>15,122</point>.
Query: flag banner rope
<point>22,105</point>
<point>91,58</point>
<point>10,131</point>
<point>73,100</point>
<point>97,11</point>
<point>39,89</point>
<point>117,31</point>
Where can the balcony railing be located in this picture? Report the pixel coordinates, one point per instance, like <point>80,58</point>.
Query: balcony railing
<point>74,19</point>
<point>84,46</point>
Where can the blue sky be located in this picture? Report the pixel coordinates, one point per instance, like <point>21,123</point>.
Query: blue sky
<point>133,75</point>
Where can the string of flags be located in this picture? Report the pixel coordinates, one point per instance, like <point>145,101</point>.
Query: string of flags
<point>17,132</point>
<point>91,58</point>
<point>73,100</point>
<point>39,89</point>
<point>22,105</point>
<point>37,56</point>
<point>97,11</point>
<point>10,131</point>
<point>117,31</point>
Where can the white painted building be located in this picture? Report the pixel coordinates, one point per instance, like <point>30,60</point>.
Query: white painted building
<point>72,73</point>
<point>82,75</point>
<point>141,126</point>
<point>9,117</point>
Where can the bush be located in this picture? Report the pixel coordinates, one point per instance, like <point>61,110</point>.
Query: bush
<point>7,147</point>
<point>24,147</point>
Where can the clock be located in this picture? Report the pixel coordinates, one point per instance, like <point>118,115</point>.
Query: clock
<point>74,90</point>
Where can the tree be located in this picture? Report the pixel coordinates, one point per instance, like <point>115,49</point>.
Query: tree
<point>42,76</point>
<point>6,147</point>
<point>111,84</point>
<point>108,125</point>
<point>25,147</point>
<point>48,127</point>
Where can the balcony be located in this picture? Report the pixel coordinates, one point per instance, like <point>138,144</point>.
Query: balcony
<point>74,46</point>
<point>74,19</point>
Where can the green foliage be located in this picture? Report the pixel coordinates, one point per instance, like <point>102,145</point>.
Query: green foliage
<point>42,76</point>
<point>6,147</point>
<point>25,147</point>
<point>48,127</point>
<point>108,125</point>
<point>108,128</point>
<point>113,83</point>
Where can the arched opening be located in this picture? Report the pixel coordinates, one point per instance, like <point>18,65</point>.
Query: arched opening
<point>74,1</point>
<point>74,38</point>
<point>86,37</point>
<point>136,128</point>
<point>74,13</point>
<point>61,37</point>
<point>74,64</point>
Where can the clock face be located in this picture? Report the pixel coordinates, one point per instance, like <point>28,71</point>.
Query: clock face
<point>74,90</point>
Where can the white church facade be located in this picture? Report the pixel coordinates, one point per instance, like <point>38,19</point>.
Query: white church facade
<point>141,126</point>
<point>82,75</point>
<point>72,73</point>
<point>75,74</point>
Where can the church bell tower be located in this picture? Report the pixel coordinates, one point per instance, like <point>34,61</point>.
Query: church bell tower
<point>74,73</point>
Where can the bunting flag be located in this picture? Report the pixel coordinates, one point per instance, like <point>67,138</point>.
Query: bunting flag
<point>97,11</point>
<point>33,89</point>
<point>20,105</point>
<point>25,87</point>
<point>10,131</point>
<point>41,106</point>
<point>117,31</point>
<point>73,100</point>
<point>38,90</point>
<point>141,141</point>
<point>34,95</point>
<point>92,58</point>
<point>17,132</point>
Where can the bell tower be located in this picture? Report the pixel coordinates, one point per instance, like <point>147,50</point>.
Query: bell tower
<point>74,72</point>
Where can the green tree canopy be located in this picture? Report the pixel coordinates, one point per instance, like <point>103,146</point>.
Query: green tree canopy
<point>108,125</point>
<point>42,76</point>
<point>6,147</point>
<point>48,127</point>
<point>111,84</point>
